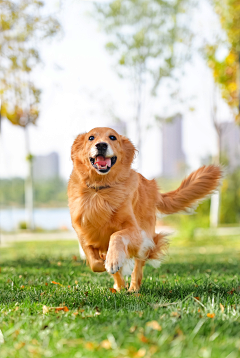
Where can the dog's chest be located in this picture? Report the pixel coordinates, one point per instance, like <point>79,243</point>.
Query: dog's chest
<point>96,211</point>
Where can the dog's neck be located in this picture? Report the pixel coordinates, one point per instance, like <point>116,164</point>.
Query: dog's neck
<point>95,187</point>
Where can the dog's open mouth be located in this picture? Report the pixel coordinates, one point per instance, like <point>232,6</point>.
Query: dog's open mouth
<point>103,164</point>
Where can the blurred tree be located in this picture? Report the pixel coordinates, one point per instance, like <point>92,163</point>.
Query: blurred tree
<point>230,208</point>
<point>227,72</point>
<point>23,25</point>
<point>150,39</point>
<point>22,28</point>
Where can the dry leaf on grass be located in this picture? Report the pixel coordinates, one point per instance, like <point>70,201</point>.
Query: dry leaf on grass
<point>19,345</point>
<point>154,325</point>
<point>48,309</point>
<point>106,344</point>
<point>211,315</point>
<point>222,307</point>
<point>90,346</point>
<point>174,314</point>
<point>140,353</point>
<point>132,329</point>
<point>56,283</point>
<point>112,290</point>
<point>45,309</point>
<point>142,338</point>
<point>197,298</point>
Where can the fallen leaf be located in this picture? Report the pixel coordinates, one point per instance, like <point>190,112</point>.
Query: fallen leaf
<point>132,329</point>
<point>105,344</point>
<point>19,345</point>
<point>174,314</point>
<point>222,307</point>
<point>140,353</point>
<point>34,341</point>
<point>112,290</point>
<point>55,283</point>
<point>142,338</point>
<point>197,298</point>
<point>65,309</point>
<point>137,294</point>
<point>211,315</point>
<point>89,345</point>
<point>154,325</point>
<point>231,292</point>
<point>45,309</point>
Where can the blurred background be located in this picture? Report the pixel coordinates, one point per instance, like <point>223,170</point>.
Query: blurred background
<point>165,73</point>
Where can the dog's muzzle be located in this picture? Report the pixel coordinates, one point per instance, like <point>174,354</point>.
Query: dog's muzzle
<point>103,158</point>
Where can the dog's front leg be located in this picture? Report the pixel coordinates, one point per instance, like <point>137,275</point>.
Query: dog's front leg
<point>123,244</point>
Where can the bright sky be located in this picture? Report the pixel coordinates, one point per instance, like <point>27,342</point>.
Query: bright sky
<point>79,85</point>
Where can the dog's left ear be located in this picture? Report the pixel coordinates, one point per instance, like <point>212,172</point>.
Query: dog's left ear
<point>129,150</point>
<point>78,144</point>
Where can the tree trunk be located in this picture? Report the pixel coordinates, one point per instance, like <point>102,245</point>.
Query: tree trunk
<point>29,185</point>
<point>215,198</point>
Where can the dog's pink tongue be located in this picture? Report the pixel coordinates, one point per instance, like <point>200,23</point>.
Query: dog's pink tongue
<point>102,162</point>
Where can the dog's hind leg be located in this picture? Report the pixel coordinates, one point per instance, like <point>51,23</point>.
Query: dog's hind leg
<point>137,274</point>
<point>118,281</point>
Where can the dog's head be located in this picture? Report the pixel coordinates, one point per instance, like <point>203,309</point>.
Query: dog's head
<point>102,152</point>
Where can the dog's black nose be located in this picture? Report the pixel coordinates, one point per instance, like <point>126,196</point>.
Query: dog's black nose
<point>101,146</point>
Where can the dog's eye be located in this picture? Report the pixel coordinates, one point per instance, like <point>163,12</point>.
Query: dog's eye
<point>112,137</point>
<point>91,137</point>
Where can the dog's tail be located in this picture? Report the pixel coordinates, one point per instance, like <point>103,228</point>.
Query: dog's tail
<point>195,187</point>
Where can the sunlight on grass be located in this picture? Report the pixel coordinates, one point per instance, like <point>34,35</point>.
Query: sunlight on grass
<point>52,305</point>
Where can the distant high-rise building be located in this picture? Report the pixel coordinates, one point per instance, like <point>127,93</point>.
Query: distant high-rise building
<point>173,157</point>
<point>230,144</point>
<point>120,127</point>
<point>46,166</point>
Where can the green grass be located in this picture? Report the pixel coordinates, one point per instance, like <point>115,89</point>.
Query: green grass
<point>100,323</point>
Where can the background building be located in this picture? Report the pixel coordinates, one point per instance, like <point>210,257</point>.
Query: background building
<point>46,166</point>
<point>230,144</point>
<point>120,127</point>
<point>173,158</point>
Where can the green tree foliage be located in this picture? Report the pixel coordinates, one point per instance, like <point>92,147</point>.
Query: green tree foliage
<point>48,193</point>
<point>226,72</point>
<point>230,208</point>
<point>149,39</point>
<point>147,36</point>
<point>23,26</point>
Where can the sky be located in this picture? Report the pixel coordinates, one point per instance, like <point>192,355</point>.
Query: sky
<point>79,86</point>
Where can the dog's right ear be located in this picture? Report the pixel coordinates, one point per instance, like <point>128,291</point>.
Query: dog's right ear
<point>78,144</point>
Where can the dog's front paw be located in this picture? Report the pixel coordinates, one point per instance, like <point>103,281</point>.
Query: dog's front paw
<point>114,261</point>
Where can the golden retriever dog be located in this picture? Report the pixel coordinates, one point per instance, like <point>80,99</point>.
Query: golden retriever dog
<point>113,208</point>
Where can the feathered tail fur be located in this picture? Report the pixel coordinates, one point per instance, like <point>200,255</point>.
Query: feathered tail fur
<point>195,187</point>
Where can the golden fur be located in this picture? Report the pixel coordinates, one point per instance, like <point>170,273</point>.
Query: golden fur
<point>114,213</point>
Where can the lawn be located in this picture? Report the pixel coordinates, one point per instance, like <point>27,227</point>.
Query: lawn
<point>189,307</point>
